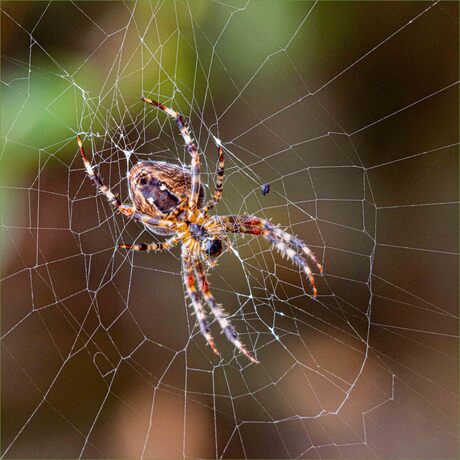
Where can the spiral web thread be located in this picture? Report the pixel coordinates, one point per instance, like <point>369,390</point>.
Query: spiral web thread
<point>100,348</point>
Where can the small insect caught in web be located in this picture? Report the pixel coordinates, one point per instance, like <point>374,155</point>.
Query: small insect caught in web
<point>169,200</point>
<point>265,189</point>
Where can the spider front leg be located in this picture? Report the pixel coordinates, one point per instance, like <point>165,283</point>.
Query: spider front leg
<point>113,200</point>
<point>219,180</point>
<point>189,281</point>
<point>191,148</point>
<point>279,238</point>
<point>128,211</point>
<point>218,313</point>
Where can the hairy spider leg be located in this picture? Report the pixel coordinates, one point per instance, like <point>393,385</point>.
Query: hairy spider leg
<point>114,201</point>
<point>189,281</point>
<point>279,238</point>
<point>191,148</point>
<point>181,207</point>
<point>154,247</point>
<point>292,240</point>
<point>218,313</point>
<point>219,181</point>
<point>284,249</point>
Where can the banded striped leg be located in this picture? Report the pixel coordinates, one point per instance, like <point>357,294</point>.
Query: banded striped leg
<point>294,241</point>
<point>181,207</point>
<point>218,313</point>
<point>155,247</point>
<point>219,180</point>
<point>114,201</point>
<point>189,281</point>
<point>191,148</point>
<point>279,238</point>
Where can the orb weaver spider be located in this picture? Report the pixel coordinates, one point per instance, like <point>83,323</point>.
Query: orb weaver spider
<point>169,200</point>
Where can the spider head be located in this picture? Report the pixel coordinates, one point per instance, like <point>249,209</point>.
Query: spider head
<point>212,246</point>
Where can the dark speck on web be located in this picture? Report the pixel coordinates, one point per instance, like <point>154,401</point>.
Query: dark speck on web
<point>265,189</point>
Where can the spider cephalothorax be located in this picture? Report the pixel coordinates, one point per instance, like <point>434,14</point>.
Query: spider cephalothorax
<point>169,200</point>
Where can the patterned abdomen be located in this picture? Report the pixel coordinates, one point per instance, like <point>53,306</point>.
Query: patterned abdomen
<point>158,187</point>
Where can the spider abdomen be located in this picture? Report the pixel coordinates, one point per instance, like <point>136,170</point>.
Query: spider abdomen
<point>157,193</point>
<point>157,187</point>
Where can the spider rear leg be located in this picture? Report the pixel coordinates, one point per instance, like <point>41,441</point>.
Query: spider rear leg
<point>189,281</point>
<point>180,208</point>
<point>224,323</point>
<point>219,180</point>
<point>128,211</point>
<point>94,176</point>
<point>191,148</point>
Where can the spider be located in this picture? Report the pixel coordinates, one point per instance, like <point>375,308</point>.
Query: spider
<point>169,200</point>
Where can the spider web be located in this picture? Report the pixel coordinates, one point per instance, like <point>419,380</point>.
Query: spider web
<point>349,112</point>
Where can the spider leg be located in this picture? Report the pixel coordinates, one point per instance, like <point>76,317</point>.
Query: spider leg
<point>219,180</point>
<point>113,200</point>
<point>279,238</point>
<point>292,240</point>
<point>128,211</point>
<point>189,281</point>
<point>191,148</point>
<point>154,247</point>
<point>217,311</point>
<point>284,249</point>
<point>181,207</point>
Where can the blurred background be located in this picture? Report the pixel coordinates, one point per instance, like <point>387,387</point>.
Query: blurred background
<point>349,110</point>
